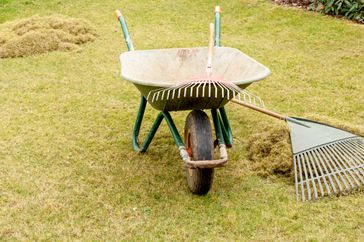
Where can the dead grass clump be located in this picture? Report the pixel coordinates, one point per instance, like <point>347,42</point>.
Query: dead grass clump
<point>37,35</point>
<point>270,151</point>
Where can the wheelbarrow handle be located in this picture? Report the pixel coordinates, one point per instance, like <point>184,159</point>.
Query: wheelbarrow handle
<point>118,13</point>
<point>122,22</point>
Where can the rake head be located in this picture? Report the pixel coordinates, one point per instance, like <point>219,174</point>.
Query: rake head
<point>327,161</point>
<point>196,88</point>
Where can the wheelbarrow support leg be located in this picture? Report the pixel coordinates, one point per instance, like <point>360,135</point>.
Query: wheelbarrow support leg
<point>138,123</point>
<point>219,134</point>
<point>162,115</point>
<point>225,127</point>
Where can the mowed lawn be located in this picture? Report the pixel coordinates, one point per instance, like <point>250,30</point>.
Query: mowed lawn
<point>67,168</point>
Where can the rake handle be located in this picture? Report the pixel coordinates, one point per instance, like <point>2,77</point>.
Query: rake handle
<point>210,50</point>
<point>262,110</point>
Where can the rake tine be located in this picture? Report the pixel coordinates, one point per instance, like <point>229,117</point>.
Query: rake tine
<point>174,91</point>
<point>315,158</point>
<point>168,92</point>
<point>215,89</point>
<point>157,96</point>
<point>203,89</point>
<point>154,96</point>
<point>317,175</point>
<point>354,165</point>
<point>180,89</point>
<point>222,89</point>
<point>311,175</point>
<point>359,141</point>
<point>306,177</point>
<point>301,179</point>
<point>163,94</point>
<point>339,169</point>
<point>191,93</point>
<point>336,169</point>
<point>352,155</point>
<point>185,88</point>
<point>347,169</point>
<point>358,149</point>
<point>354,151</point>
<point>295,176</point>
<point>334,174</point>
<point>356,145</point>
<point>226,88</point>
<point>148,95</point>
<point>154,92</point>
<point>198,87</point>
<point>320,156</point>
<point>209,90</point>
<point>231,87</point>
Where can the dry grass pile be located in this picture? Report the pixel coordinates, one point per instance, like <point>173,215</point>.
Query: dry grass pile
<point>270,149</point>
<point>37,35</point>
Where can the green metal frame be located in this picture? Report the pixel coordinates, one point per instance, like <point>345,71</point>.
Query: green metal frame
<point>162,115</point>
<point>220,119</point>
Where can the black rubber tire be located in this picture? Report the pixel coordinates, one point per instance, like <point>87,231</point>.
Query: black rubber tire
<point>199,144</point>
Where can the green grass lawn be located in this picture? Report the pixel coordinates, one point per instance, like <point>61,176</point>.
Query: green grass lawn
<point>67,168</point>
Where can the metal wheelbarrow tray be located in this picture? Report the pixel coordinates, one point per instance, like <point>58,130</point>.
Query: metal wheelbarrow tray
<point>151,70</point>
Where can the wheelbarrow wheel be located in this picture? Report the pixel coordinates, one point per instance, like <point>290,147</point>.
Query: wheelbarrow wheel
<point>199,145</point>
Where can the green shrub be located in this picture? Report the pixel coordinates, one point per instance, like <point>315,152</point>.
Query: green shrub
<point>352,9</point>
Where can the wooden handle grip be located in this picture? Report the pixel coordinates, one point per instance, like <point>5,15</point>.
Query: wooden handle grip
<point>118,14</point>
<point>210,50</point>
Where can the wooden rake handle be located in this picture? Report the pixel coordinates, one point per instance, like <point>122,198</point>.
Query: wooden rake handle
<point>269,112</point>
<point>259,109</point>
<point>210,50</point>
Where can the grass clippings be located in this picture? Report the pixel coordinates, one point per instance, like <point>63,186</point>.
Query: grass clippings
<point>36,35</point>
<point>270,151</point>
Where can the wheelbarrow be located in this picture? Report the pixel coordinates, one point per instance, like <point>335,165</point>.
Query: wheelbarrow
<point>151,70</point>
